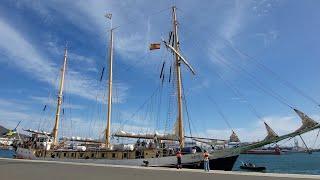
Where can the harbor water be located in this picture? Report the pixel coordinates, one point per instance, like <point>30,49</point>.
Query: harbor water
<point>296,163</point>
<point>6,153</point>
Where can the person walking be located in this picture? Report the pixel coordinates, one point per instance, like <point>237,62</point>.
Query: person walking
<point>206,161</point>
<point>179,156</point>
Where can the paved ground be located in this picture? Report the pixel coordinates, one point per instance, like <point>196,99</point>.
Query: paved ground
<point>12,169</point>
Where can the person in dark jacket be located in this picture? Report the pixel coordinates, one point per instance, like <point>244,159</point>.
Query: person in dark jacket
<point>179,157</point>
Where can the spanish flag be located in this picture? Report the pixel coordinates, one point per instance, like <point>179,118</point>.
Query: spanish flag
<point>154,46</point>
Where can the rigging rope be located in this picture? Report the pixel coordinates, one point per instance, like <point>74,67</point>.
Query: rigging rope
<point>186,108</point>
<point>275,75</point>
<point>316,139</point>
<point>240,95</point>
<point>170,74</point>
<point>50,113</point>
<point>257,83</point>
<point>170,100</point>
<point>220,111</point>
<point>161,73</point>
<point>261,66</point>
<point>102,72</point>
<point>143,104</point>
<point>254,81</point>
<point>43,112</point>
<point>284,142</point>
<point>130,66</point>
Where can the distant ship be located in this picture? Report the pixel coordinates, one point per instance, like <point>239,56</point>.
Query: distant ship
<point>157,150</point>
<point>296,149</point>
<point>5,142</point>
<point>264,151</point>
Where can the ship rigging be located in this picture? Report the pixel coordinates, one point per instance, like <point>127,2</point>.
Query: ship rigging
<point>158,152</point>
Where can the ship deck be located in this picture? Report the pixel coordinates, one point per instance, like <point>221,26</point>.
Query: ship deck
<point>50,170</point>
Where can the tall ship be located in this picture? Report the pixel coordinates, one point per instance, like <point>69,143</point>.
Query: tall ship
<point>156,150</point>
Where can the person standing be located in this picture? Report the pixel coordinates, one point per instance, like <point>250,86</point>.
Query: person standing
<point>206,161</point>
<point>179,156</point>
<point>193,150</point>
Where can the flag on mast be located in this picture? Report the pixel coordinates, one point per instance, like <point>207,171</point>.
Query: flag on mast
<point>154,46</point>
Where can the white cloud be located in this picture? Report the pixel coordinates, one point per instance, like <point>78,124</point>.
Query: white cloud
<point>268,37</point>
<point>13,111</point>
<point>263,8</point>
<point>73,56</point>
<point>235,20</point>
<point>130,46</point>
<point>52,101</point>
<point>234,32</point>
<point>22,54</point>
<point>11,104</point>
<point>203,84</point>
<point>130,40</point>
<point>256,130</point>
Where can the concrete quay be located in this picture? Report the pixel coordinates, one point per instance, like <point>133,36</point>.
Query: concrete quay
<point>17,169</point>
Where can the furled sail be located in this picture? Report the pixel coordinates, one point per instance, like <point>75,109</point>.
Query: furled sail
<point>38,132</point>
<point>307,122</point>
<point>234,137</point>
<point>157,136</point>
<point>271,134</point>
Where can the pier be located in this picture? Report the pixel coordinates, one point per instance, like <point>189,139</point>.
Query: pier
<point>51,170</point>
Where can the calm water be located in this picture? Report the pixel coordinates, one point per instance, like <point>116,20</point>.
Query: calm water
<point>6,153</point>
<point>300,163</point>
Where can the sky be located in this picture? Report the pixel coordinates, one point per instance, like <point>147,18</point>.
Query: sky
<point>253,59</point>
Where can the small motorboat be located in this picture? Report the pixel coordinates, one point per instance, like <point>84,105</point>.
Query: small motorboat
<point>252,167</point>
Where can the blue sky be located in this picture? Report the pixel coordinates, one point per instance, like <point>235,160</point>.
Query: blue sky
<point>282,35</point>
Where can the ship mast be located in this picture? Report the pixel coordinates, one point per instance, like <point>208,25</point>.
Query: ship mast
<point>107,135</point>
<point>178,75</point>
<point>60,96</point>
